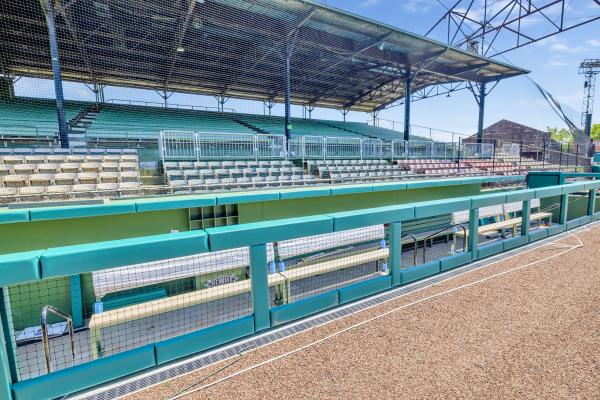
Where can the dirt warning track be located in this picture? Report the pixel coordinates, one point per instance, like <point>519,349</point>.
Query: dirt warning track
<point>527,327</point>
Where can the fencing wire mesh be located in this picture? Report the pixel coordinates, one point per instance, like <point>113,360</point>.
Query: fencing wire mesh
<point>432,238</point>
<point>317,264</point>
<point>128,307</point>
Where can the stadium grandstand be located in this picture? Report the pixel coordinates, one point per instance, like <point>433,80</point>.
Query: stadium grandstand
<point>144,240</point>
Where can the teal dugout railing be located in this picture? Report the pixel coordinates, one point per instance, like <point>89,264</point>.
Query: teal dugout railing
<point>266,295</point>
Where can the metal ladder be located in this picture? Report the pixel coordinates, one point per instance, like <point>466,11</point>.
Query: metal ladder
<point>45,337</point>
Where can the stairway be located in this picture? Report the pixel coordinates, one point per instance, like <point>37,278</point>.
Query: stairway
<point>347,130</point>
<point>250,126</point>
<point>79,124</point>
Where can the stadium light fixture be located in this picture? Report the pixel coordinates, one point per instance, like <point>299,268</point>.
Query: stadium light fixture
<point>381,45</point>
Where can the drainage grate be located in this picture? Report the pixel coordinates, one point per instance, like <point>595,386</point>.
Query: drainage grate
<point>152,378</point>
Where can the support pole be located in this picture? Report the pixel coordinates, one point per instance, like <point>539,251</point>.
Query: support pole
<point>5,376</point>
<point>564,209</point>
<point>525,217</point>
<point>407,95</point>
<point>396,252</point>
<point>473,232</point>
<point>288,95</point>
<point>63,134</point>
<point>260,287</point>
<point>592,202</point>
<point>481,103</point>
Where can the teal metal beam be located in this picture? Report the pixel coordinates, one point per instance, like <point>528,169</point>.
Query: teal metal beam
<point>592,202</point>
<point>564,209</point>
<point>5,374</point>
<point>260,287</point>
<point>76,300</point>
<point>473,232</point>
<point>6,323</point>
<point>396,252</point>
<point>526,213</point>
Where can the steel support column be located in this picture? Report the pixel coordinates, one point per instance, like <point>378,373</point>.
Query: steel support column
<point>56,71</point>
<point>260,287</point>
<point>288,95</point>
<point>481,103</point>
<point>407,95</point>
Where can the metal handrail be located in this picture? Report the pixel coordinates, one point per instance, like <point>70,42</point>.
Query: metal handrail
<point>45,338</point>
<point>431,236</point>
<point>416,246</point>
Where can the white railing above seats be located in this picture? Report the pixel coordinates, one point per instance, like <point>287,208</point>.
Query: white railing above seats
<point>188,145</point>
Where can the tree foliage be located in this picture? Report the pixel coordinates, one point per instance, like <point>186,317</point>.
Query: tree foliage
<point>563,136</point>
<point>595,132</point>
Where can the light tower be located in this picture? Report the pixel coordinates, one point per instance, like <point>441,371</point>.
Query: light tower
<point>589,69</point>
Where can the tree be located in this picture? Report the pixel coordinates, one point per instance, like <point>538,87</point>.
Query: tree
<point>595,133</point>
<point>563,136</point>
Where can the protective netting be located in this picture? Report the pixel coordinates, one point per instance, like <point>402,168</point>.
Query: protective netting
<point>317,264</point>
<point>123,308</point>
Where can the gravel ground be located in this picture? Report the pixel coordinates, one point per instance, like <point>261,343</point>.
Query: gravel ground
<point>495,333</point>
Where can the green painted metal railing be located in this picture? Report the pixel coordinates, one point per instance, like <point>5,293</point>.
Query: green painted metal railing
<point>72,260</point>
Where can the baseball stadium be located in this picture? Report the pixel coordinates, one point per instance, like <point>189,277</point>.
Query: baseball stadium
<point>175,223</point>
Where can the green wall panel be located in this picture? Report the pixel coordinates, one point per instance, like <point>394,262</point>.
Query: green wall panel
<point>89,257</point>
<point>454,261</point>
<point>61,383</point>
<point>420,271</point>
<point>54,213</point>
<point>253,212</point>
<point>364,289</point>
<point>490,249</point>
<point>302,308</point>
<point>19,267</point>
<point>12,216</point>
<point>372,216</point>
<point>56,233</point>
<point>230,237</point>
<point>538,234</point>
<point>195,342</point>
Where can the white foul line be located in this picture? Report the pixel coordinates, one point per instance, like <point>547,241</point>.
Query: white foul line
<point>330,336</point>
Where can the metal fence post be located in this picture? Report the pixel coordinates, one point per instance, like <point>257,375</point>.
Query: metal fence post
<point>525,217</point>
<point>5,372</point>
<point>396,252</point>
<point>5,377</point>
<point>564,209</point>
<point>473,232</point>
<point>592,202</point>
<point>544,157</point>
<point>260,287</point>
<point>9,362</point>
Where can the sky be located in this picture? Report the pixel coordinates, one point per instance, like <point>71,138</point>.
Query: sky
<point>553,63</point>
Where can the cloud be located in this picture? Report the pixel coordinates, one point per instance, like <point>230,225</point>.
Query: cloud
<point>561,46</point>
<point>415,6</point>
<point>593,42</point>
<point>369,3</point>
<point>555,62</point>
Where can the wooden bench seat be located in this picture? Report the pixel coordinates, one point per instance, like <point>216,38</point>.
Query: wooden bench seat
<point>160,306</point>
<point>512,223</point>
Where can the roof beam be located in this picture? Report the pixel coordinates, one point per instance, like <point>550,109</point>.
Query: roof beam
<point>178,41</point>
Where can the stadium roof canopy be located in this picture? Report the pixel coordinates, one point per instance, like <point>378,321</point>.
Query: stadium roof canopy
<point>235,48</point>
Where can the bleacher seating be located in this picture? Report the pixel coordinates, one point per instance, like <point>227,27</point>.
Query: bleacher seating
<point>436,167</point>
<point>33,119</point>
<point>136,122</point>
<point>57,175</point>
<point>214,175</point>
<point>354,169</point>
